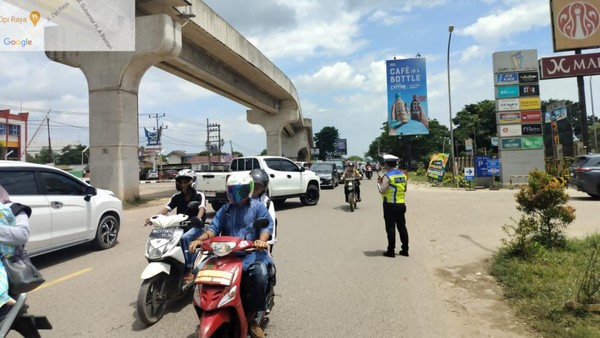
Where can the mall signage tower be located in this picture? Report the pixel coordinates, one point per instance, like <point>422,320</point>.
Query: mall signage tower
<point>518,114</point>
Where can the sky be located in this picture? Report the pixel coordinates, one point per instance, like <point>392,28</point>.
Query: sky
<point>333,51</point>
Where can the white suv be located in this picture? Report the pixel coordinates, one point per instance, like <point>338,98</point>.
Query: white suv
<point>66,211</point>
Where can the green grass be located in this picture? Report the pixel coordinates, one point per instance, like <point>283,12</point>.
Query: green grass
<point>540,286</point>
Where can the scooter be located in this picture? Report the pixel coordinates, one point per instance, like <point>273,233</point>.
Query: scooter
<point>19,320</point>
<point>369,173</point>
<point>218,298</point>
<point>350,193</point>
<point>163,276</point>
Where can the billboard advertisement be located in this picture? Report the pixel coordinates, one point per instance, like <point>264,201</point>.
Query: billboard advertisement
<point>341,146</point>
<point>528,77</point>
<point>529,90</point>
<point>507,79</point>
<point>570,65</point>
<point>515,61</point>
<point>531,129</point>
<point>510,130</point>
<point>508,104</point>
<point>507,91</point>
<point>437,166</point>
<point>575,24</point>
<point>531,116</point>
<point>530,103</point>
<point>505,118</point>
<point>407,97</point>
<point>511,143</point>
<point>535,142</point>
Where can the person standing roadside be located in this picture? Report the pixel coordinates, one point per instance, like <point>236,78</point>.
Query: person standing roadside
<point>392,187</point>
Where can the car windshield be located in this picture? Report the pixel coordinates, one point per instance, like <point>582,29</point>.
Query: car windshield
<point>321,168</point>
<point>579,162</point>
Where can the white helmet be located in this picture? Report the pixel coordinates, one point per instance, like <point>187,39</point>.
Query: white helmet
<point>239,187</point>
<point>183,175</point>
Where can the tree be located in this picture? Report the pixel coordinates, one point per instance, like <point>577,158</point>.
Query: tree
<point>44,156</point>
<point>325,141</point>
<point>478,122</point>
<point>72,154</point>
<point>264,152</point>
<point>411,149</point>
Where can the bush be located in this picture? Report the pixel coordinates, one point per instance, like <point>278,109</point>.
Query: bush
<point>545,215</point>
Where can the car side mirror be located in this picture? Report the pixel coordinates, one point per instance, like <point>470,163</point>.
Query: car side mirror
<point>261,223</point>
<point>89,192</point>
<point>302,169</point>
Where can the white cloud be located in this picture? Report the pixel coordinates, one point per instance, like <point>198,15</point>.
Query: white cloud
<point>518,18</point>
<point>384,18</point>
<point>337,76</point>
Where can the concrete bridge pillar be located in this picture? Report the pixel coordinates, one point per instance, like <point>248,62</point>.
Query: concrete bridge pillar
<point>273,124</point>
<point>297,146</point>
<point>113,82</point>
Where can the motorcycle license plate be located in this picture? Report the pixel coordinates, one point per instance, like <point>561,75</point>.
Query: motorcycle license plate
<point>162,233</point>
<point>210,193</point>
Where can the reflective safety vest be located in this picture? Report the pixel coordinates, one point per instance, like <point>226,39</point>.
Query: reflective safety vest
<point>395,193</point>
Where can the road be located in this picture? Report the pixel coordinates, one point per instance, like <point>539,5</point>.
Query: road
<point>332,278</point>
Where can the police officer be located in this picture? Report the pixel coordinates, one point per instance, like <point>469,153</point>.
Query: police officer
<point>392,187</point>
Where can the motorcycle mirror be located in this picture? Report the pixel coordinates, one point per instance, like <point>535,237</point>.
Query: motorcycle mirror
<point>192,208</point>
<point>196,222</point>
<point>261,223</point>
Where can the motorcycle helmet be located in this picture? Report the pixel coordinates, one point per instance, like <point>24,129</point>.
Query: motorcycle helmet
<point>183,177</point>
<point>261,181</point>
<point>239,188</point>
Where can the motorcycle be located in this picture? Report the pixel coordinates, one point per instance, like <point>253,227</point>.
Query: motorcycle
<point>19,320</point>
<point>349,186</point>
<point>369,173</point>
<point>163,276</point>
<point>218,297</point>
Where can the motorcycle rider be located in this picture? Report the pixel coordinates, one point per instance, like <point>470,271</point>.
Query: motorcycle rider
<point>236,218</point>
<point>351,173</point>
<point>185,183</point>
<point>368,170</point>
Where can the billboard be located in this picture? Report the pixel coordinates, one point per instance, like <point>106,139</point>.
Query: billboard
<point>508,104</point>
<point>437,166</point>
<point>575,24</point>
<point>528,77</point>
<point>341,146</point>
<point>407,97</point>
<point>520,60</point>
<point>531,129</point>
<point>570,66</point>
<point>531,116</point>
<point>513,117</point>
<point>507,79</point>
<point>510,130</point>
<point>529,103</point>
<point>507,91</point>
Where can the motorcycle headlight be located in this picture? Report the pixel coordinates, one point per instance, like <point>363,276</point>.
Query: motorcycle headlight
<point>222,248</point>
<point>157,247</point>
<point>228,296</point>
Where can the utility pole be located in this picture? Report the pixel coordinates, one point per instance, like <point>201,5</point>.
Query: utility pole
<point>158,134</point>
<point>231,145</point>
<point>209,139</point>
<point>49,143</point>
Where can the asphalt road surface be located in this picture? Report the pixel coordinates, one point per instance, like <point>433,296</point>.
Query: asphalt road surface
<point>332,278</point>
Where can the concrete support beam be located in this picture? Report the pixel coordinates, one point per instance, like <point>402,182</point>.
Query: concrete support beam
<point>296,146</point>
<point>113,81</point>
<point>273,124</point>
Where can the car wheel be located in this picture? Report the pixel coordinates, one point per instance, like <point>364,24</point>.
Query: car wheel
<point>107,232</point>
<point>312,195</point>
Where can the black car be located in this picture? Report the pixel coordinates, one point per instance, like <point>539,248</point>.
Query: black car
<point>327,172</point>
<point>584,174</point>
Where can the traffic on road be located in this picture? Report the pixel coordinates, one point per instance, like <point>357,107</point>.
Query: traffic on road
<point>331,274</point>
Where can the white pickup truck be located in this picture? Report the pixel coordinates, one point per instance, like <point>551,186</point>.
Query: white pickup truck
<point>286,180</point>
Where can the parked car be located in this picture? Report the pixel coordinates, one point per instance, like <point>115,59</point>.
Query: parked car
<point>327,172</point>
<point>152,175</point>
<point>170,174</point>
<point>302,165</point>
<point>584,174</point>
<point>66,211</point>
<point>339,163</point>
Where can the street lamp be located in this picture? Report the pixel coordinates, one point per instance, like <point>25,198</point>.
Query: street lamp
<point>454,173</point>
<point>593,117</point>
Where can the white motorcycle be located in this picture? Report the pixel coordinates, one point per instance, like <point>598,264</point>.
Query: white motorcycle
<point>163,277</point>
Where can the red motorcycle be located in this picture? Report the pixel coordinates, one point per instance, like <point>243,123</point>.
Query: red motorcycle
<point>218,297</point>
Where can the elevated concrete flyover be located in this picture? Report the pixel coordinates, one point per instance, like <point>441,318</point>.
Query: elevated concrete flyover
<point>188,39</point>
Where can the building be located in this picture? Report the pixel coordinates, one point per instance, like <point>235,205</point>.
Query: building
<point>13,135</point>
